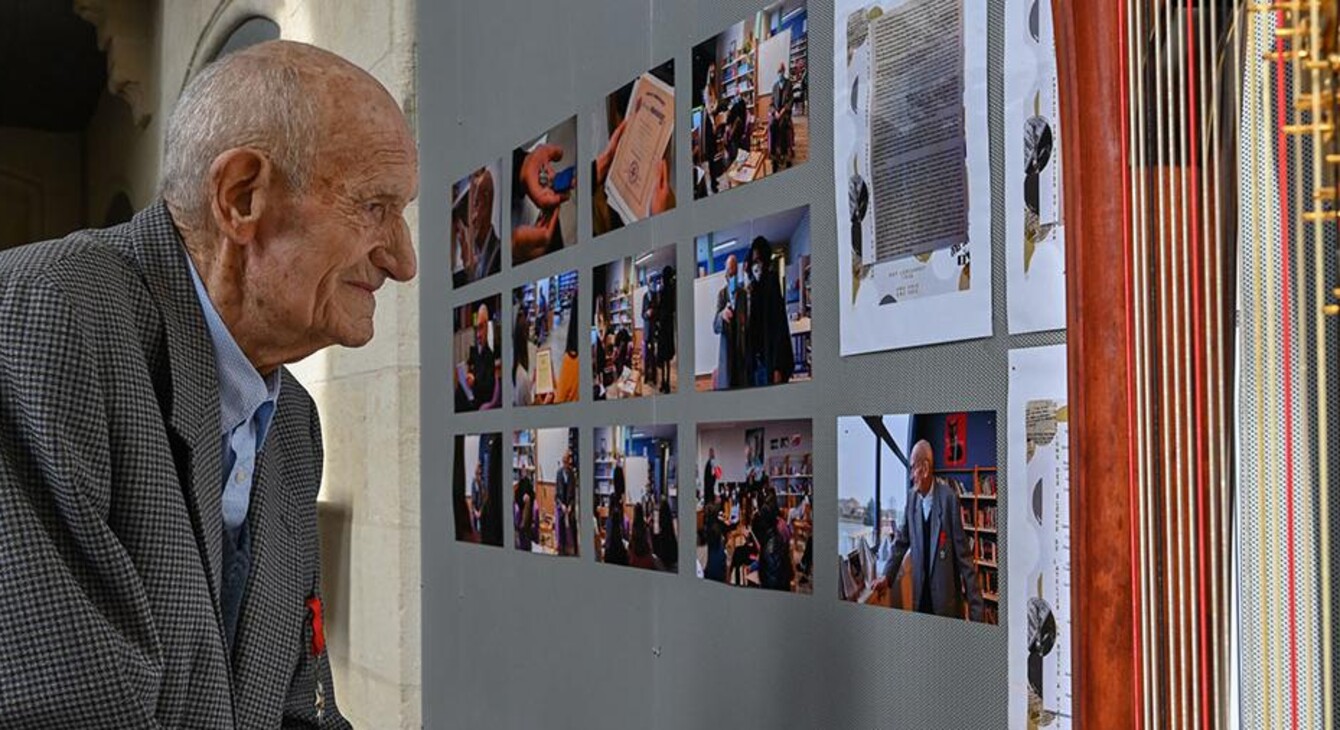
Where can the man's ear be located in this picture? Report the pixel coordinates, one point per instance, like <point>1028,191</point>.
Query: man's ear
<point>240,187</point>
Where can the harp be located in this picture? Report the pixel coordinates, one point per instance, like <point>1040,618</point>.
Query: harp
<point>1203,199</point>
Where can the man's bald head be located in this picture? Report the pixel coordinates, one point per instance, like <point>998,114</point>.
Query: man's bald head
<point>923,464</point>
<point>285,99</point>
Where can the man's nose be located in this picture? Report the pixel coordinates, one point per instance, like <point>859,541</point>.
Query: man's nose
<point>397,257</point>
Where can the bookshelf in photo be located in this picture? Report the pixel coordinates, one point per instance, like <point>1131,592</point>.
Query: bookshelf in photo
<point>978,497</point>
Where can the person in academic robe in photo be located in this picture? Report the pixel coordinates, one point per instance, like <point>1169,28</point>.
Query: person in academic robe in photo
<point>665,327</point>
<point>771,359</point>
<point>944,577</point>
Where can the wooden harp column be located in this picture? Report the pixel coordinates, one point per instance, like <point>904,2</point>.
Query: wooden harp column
<point>1201,198</point>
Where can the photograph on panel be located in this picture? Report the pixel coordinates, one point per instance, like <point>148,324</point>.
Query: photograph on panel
<point>544,341</point>
<point>750,115</point>
<point>752,302</point>
<point>476,225</point>
<point>634,335</point>
<point>755,506</point>
<point>546,503</point>
<point>544,183</point>
<point>478,355</point>
<point>637,496</point>
<point>917,513</point>
<point>633,175</point>
<point>912,173</point>
<point>476,488</point>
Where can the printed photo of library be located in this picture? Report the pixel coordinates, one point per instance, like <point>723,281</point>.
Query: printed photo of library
<point>637,496</point>
<point>544,341</point>
<point>752,302</point>
<point>917,513</point>
<point>634,334</point>
<point>755,504</point>
<point>545,492</point>
<point>750,113</point>
<point>476,488</point>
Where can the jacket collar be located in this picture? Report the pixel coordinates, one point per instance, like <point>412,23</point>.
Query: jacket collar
<point>190,395</point>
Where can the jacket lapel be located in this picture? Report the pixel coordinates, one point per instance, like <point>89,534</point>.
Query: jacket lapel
<point>271,617</point>
<point>936,523</point>
<point>190,396</point>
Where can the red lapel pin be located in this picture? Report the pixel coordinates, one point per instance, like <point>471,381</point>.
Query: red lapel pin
<point>318,631</point>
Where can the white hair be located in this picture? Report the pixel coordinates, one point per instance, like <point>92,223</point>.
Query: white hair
<point>241,100</point>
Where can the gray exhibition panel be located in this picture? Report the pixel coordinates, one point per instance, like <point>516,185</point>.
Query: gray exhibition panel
<point>513,640</point>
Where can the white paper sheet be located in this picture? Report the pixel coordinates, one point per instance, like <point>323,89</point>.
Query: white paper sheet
<point>944,295</point>
<point>1039,530</point>
<point>1034,229</point>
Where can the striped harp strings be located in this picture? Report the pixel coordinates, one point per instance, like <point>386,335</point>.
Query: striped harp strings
<point>1230,190</point>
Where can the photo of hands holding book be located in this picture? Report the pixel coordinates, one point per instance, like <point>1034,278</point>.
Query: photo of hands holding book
<point>633,177</point>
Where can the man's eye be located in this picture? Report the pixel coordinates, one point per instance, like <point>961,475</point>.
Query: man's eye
<point>375,209</point>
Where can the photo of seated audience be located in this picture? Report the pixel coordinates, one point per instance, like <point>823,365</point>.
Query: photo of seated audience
<point>917,513</point>
<point>750,113</point>
<point>477,355</point>
<point>637,497</point>
<point>544,341</point>
<point>546,503</point>
<point>755,504</point>
<point>476,490</point>
<point>634,339</point>
<point>752,303</point>
<point>476,224</point>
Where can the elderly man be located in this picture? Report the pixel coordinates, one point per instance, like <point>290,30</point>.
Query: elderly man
<point>158,464</point>
<point>485,249</point>
<point>481,378</point>
<point>728,324</point>
<point>943,574</point>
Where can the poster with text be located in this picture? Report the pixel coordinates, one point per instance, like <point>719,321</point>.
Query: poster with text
<point>912,173</point>
<point>1034,225</point>
<point>1042,644</point>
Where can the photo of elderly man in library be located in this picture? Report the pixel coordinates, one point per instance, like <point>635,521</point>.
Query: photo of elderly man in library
<point>478,355</point>
<point>917,513</point>
<point>637,497</point>
<point>755,509</point>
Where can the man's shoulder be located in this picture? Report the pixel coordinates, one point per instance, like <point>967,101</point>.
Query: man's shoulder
<point>87,259</point>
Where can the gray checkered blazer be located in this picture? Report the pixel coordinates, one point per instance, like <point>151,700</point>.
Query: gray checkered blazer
<point>110,504</point>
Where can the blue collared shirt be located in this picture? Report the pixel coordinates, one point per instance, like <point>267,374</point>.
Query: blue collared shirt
<point>246,405</point>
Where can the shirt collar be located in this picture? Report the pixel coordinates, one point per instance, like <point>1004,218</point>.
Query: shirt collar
<point>242,390</point>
